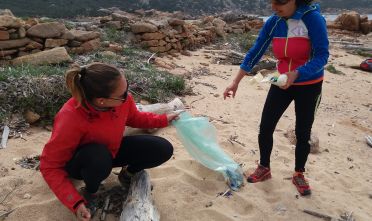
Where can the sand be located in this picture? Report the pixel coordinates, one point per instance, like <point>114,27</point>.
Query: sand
<point>340,174</point>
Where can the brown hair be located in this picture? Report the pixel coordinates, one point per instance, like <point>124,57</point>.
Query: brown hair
<point>92,81</point>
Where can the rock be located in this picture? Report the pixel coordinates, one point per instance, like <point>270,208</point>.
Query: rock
<point>27,196</point>
<point>6,12</point>
<point>53,43</point>
<point>52,56</point>
<point>114,24</point>
<point>22,32</point>
<point>4,53</point>
<point>68,35</point>
<point>17,43</point>
<point>10,21</point>
<point>91,45</point>
<point>83,36</point>
<point>349,21</point>
<point>120,17</point>
<point>142,27</point>
<point>175,22</point>
<point>366,27</point>
<point>34,45</point>
<point>47,30</point>
<point>151,43</point>
<point>4,35</point>
<point>153,36</point>
<point>31,117</point>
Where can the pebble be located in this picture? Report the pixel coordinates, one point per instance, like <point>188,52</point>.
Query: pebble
<point>27,196</point>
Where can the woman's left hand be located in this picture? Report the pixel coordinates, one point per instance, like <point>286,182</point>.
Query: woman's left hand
<point>292,76</point>
<point>173,116</point>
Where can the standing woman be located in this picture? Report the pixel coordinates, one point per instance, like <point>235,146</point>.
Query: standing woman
<point>87,138</point>
<point>299,39</point>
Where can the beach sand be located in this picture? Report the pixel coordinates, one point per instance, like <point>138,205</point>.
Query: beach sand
<point>340,174</point>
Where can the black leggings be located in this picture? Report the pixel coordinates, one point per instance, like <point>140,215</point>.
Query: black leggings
<point>93,162</point>
<point>307,99</point>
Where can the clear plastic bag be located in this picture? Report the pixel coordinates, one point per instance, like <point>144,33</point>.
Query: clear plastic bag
<point>199,137</point>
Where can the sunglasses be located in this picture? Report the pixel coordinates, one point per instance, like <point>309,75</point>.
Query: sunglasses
<point>123,97</point>
<point>280,2</point>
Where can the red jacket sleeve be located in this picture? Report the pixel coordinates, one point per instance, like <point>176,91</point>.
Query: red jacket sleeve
<point>56,153</point>
<point>139,119</point>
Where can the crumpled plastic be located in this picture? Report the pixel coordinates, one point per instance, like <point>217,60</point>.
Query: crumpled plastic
<point>199,138</point>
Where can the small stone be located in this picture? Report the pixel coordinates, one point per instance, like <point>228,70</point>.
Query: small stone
<point>209,204</point>
<point>27,196</point>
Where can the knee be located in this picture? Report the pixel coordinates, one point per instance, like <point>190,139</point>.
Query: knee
<point>165,148</point>
<point>97,157</point>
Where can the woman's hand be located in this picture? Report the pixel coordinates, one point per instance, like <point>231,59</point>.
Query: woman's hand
<point>292,76</point>
<point>230,90</point>
<point>82,213</point>
<point>173,116</point>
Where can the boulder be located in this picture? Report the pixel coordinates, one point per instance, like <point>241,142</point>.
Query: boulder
<point>366,27</point>
<point>82,36</point>
<point>6,12</point>
<point>17,43</point>
<point>52,56</point>
<point>4,53</point>
<point>142,27</point>
<point>47,30</point>
<point>53,43</point>
<point>10,21</point>
<point>4,35</point>
<point>349,21</point>
<point>153,36</point>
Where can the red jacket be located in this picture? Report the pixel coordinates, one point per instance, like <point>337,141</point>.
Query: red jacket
<point>74,126</point>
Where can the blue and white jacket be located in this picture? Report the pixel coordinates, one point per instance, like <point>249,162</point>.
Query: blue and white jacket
<point>299,43</point>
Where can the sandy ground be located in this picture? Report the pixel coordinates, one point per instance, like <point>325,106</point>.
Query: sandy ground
<point>340,175</point>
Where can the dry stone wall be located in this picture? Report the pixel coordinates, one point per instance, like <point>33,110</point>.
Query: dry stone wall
<point>31,38</point>
<point>165,32</point>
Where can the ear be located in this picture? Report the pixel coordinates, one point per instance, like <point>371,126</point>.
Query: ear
<point>99,101</point>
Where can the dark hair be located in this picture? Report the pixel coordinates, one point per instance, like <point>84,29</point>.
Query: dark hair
<point>303,2</point>
<point>298,2</point>
<point>92,81</point>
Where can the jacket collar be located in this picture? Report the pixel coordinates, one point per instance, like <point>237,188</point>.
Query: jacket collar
<point>303,9</point>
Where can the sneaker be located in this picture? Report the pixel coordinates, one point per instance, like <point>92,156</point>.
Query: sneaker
<point>260,174</point>
<point>92,201</point>
<point>125,178</point>
<point>301,184</point>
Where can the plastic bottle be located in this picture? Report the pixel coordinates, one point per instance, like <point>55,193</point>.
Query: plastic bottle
<point>279,81</point>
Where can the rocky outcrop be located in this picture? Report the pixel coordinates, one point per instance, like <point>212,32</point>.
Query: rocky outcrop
<point>352,21</point>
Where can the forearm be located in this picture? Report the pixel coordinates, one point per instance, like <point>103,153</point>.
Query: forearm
<point>240,75</point>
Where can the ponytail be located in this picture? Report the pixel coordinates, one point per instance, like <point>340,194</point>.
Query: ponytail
<point>73,83</point>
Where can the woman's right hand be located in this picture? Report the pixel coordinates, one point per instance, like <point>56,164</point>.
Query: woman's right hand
<point>82,213</point>
<point>230,90</point>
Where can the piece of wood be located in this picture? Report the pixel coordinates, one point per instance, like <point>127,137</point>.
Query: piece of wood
<point>105,208</point>
<point>139,205</point>
<point>354,47</point>
<point>4,137</point>
<point>319,215</point>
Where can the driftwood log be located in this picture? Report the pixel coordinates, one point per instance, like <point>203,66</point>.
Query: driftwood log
<point>139,205</point>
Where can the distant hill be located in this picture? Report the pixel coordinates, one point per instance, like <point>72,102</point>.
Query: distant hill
<point>73,8</point>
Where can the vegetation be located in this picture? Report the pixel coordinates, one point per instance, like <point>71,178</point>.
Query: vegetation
<point>333,70</point>
<point>42,90</point>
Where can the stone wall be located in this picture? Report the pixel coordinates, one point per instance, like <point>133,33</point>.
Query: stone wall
<point>19,38</point>
<point>163,32</point>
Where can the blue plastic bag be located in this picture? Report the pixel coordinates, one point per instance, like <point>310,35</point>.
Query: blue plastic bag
<point>199,137</point>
